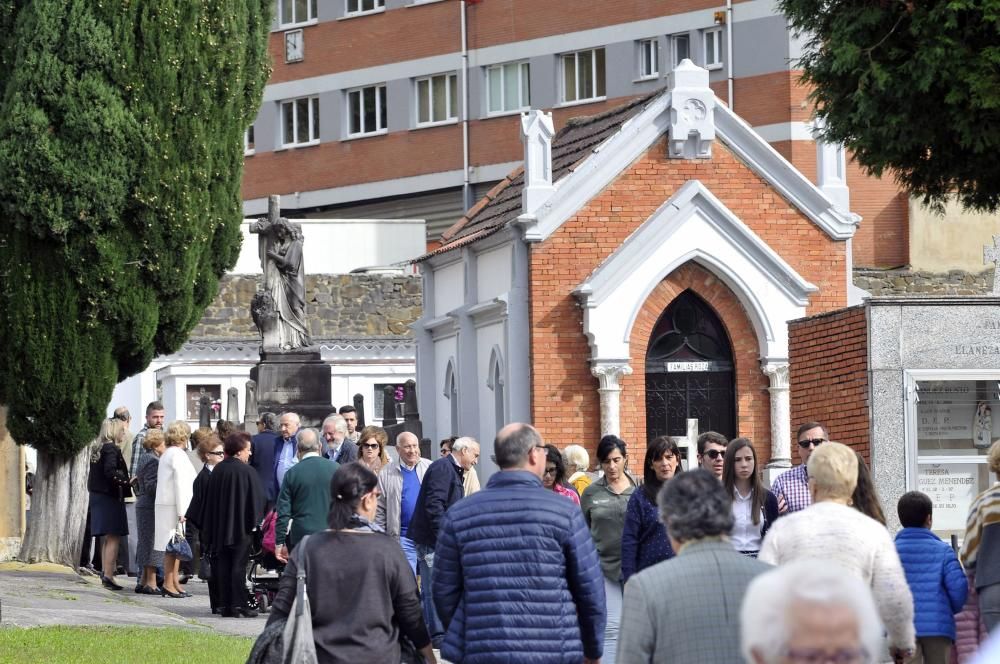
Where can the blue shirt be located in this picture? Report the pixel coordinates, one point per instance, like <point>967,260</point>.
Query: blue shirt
<point>411,489</point>
<point>285,459</point>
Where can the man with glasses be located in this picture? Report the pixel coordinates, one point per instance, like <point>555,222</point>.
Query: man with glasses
<point>712,452</point>
<point>791,488</point>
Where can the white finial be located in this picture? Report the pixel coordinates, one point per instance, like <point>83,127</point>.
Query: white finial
<point>692,112</point>
<point>536,134</point>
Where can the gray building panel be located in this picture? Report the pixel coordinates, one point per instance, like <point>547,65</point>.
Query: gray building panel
<point>751,59</point>
<point>621,69</point>
<point>399,95</point>
<point>266,128</point>
<point>331,107</point>
<point>544,82</point>
<point>330,10</point>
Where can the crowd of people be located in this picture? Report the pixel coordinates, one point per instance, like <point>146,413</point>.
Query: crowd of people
<point>550,561</point>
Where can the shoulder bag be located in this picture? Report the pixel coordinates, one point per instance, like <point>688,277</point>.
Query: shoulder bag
<point>299,647</point>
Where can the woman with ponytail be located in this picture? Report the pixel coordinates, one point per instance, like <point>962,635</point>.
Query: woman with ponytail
<point>354,564</point>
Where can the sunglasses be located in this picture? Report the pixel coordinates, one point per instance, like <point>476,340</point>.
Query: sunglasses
<point>714,454</point>
<point>217,453</point>
<point>815,442</point>
<point>550,471</point>
<point>370,446</point>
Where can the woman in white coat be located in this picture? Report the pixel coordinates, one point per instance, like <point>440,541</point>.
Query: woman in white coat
<point>174,487</point>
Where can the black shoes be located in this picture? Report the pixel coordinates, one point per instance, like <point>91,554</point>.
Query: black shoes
<point>166,593</point>
<point>109,583</point>
<point>238,612</point>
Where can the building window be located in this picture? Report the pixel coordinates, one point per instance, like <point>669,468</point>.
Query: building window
<point>378,403</point>
<point>249,146</point>
<point>583,75</point>
<point>364,6</point>
<point>366,110</point>
<point>713,48</point>
<point>300,121</point>
<point>649,58</point>
<point>437,98</point>
<point>680,49</point>
<point>294,12</point>
<point>508,87</point>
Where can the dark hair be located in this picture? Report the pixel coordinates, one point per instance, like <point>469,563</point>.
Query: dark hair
<point>694,505</point>
<point>154,405</point>
<point>865,497</point>
<point>121,413</point>
<point>913,509</point>
<point>811,425</point>
<point>347,409</point>
<point>554,455</point>
<point>657,448</point>
<point>512,450</point>
<point>448,441</point>
<point>710,437</point>
<point>224,428</point>
<point>729,476</point>
<point>235,443</point>
<point>347,486</point>
<point>609,444</point>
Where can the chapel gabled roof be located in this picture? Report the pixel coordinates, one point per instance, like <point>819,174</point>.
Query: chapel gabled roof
<point>573,144</point>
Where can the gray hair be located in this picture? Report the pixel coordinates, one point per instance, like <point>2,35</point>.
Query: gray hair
<point>694,505</point>
<point>463,443</point>
<point>401,438</point>
<point>576,456</point>
<point>292,414</point>
<point>269,420</point>
<point>511,449</point>
<point>308,441</point>
<point>339,423</point>
<point>770,598</point>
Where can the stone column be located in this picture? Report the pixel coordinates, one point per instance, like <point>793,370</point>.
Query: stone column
<point>11,492</point>
<point>610,375</point>
<point>781,430</point>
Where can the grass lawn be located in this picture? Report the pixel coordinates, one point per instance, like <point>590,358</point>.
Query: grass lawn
<point>125,645</point>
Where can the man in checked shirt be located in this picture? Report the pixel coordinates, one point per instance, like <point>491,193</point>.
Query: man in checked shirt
<point>792,487</point>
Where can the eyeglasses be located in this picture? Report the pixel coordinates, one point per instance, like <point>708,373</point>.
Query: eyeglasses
<point>550,471</point>
<point>220,453</point>
<point>714,454</point>
<point>822,656</point>
<point>815,442</point>
<point>370,446</point>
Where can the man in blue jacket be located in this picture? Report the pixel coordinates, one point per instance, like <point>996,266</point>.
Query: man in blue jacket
<point>517,576</point>
<point>934,575</point>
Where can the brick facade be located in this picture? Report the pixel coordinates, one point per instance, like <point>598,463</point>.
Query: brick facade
<point>828,377</point>
<point>565,403</point>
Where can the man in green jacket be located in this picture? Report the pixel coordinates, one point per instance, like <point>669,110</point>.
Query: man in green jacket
<point>304,496</point>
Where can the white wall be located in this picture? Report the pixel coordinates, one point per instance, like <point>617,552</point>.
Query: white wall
<point>350,379</point>
<point>176,378</point>
<point>444,349</point>
<point>337,246</point>
<point>494,273</point>
<point>449,289</point>
<point>488,337</point>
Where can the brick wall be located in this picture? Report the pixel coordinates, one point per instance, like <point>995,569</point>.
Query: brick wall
<point>828,355</point>
<point>564,397</point>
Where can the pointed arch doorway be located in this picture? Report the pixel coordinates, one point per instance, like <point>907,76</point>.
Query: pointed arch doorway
<point>689,371</point>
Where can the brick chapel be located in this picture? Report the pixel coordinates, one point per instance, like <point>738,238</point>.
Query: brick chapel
<point>638,271</point>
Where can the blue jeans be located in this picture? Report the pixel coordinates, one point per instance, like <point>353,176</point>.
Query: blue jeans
<point>425,565</point>
<point>410,551</point>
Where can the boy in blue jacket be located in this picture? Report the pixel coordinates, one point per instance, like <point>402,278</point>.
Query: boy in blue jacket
<point>934,575</point>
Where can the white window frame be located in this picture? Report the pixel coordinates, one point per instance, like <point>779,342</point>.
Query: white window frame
<point>648,52</point>
<point>378,6</point>
<point>378,111</point>
<point>247,143</point>
<point>523,95</point>
<point>712,36</point>
<point>598,81</point>
<point>312,11</point>
<point>675,59</point>
<point>312,115</point>
<point>451,105</point>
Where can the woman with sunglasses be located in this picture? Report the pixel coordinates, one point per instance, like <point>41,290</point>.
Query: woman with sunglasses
<point>554,478</point>
<point>644,538</point>
<point>355,559</point>
<point>754,507</point>
<point>371,445</point>
<point>208,446</point>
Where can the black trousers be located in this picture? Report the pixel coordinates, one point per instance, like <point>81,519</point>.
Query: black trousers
<point>232,573</point>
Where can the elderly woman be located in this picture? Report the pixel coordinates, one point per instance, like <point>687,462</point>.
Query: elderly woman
<point>350,560</point>
<point>109,484</point>
<point>146,558</point>
<point>232,508</point>
<point>174,483</point>
<point>577,463</point>
<point>208,446</point>
<point>981,547</point>
<point>644,538</point>
<point>832,531</point>
<point>604,503</point>
<point>554,478</point>
<point>371,447</point>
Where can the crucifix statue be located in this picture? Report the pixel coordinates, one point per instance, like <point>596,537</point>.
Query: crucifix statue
<point>992,255</point>
<point>279,308</point>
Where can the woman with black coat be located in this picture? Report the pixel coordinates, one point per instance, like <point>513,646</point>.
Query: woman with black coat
<point>109,485</point>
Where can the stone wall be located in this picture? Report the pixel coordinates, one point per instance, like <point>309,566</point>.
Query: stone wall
<point>338,305</point>
<point>911,282</point>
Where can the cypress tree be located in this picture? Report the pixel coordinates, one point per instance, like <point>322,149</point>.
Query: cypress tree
<point>121,152</point>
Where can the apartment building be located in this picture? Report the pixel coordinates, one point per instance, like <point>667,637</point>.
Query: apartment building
<point>410,108</point>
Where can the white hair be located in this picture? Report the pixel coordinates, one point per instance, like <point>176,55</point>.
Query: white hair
<point>576,456</point>
<point>293,415</point>
<point>769,598</point>
<point>463,443</point>
<point>339,423</point>
<point>308,441</point>
<point>403,435</point>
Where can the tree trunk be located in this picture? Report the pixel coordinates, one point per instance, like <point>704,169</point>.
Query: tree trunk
<point>58,510</point>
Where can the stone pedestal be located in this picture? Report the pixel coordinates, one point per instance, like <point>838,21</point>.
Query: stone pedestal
<point>297,381</point>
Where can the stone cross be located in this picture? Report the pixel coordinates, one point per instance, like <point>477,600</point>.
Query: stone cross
<point>992,255</point>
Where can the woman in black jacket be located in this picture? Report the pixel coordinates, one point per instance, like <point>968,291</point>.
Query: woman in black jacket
<point>754,507</point>
<point>109,485</point>
<point>355,564</point>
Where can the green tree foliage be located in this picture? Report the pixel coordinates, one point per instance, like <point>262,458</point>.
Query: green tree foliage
<point>910,87</point>
<point>121,153</point>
